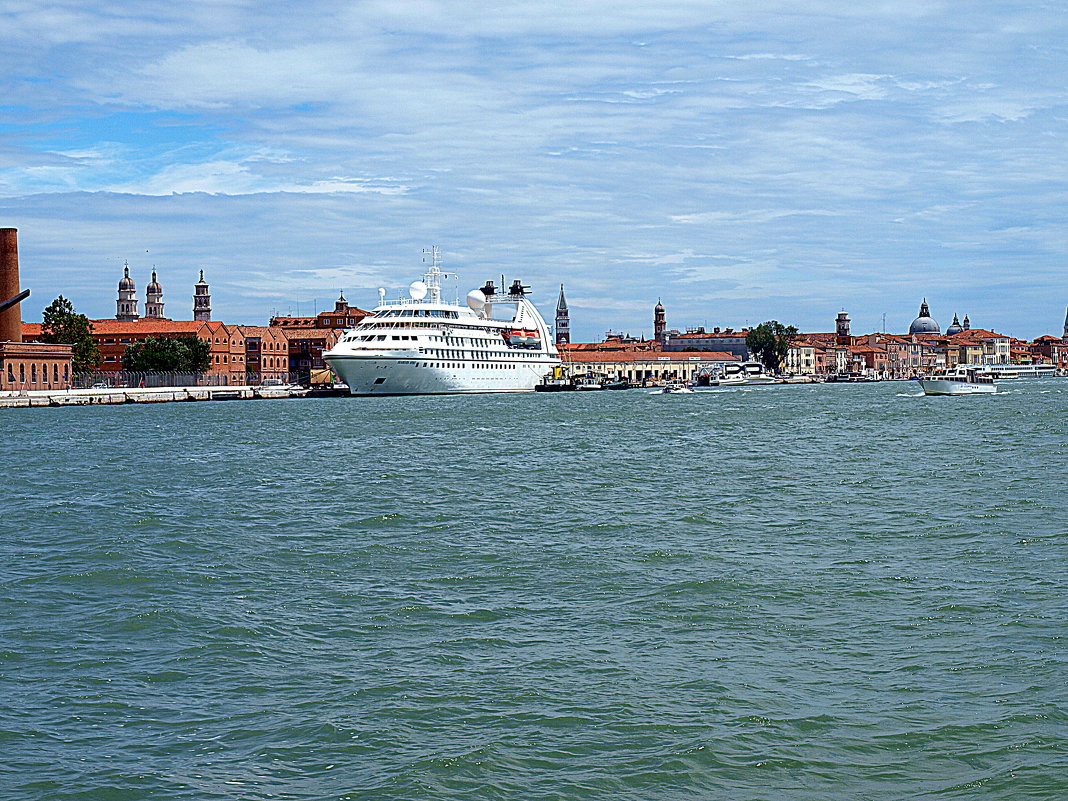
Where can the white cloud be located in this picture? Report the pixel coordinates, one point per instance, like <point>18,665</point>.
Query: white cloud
<point>783,153</point>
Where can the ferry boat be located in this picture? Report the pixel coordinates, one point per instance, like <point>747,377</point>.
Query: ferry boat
<point>1018,370</point>
<point>960,380</point>
<point>422,345</point>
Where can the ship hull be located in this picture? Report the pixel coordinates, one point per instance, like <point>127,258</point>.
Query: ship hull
<point>935,386</point>
<point>369,375</point>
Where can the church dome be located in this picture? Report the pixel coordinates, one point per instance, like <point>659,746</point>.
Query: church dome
<point>924,324</point>
<point>954,327</point>
<point>153,285</point>
<point>126,282</point>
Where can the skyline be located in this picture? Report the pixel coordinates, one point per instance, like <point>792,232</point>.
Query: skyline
<point>743,164</point>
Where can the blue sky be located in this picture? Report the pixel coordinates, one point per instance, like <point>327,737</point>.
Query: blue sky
<point>741,161</point>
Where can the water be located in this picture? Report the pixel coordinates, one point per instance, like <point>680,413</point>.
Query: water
<point>806,592</point>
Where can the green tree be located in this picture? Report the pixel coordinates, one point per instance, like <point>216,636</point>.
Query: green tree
<point>770,342</point>
<point>63,326</point>
<point>167,355</point>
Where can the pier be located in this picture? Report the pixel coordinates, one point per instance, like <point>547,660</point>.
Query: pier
<point>116,395</point>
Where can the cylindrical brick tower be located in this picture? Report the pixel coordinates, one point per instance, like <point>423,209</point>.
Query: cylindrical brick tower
<point>10,318</point>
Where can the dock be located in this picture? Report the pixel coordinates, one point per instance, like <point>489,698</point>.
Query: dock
<point>117,395</point>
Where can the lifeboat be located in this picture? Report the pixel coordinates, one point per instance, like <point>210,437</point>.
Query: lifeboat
<point>523,338</point>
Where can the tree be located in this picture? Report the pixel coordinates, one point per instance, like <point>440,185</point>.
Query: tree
<point>770,342</point>
<point>186,354</point>
<point>63,326</point>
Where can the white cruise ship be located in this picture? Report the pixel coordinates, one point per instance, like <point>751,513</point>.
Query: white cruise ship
<point>421,345</point>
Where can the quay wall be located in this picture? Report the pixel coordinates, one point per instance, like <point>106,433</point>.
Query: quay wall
<point>96,397</point>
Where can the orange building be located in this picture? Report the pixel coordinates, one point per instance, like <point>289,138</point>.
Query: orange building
<point>266,352</point>
<point>227,346</point>
<point>35,365</point>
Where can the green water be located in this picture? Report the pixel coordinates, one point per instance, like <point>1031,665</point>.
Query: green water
<point>805,592</point>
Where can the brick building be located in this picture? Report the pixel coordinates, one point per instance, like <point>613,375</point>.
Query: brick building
<point>34,365</point>
<point>266,352</point>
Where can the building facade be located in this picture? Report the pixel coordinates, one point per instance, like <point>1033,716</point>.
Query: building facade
<point>726,340</point>
<point>639,366</point>
<point>27,366</point>
<point>266,352</point>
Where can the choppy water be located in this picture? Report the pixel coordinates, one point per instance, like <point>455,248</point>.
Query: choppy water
<point>826,592</point>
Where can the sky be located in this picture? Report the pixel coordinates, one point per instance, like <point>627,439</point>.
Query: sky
<point>740,161</point>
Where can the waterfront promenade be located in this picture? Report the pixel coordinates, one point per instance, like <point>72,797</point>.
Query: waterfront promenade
<point>118,395</point>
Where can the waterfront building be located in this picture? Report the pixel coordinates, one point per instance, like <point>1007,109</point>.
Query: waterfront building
<point>727,340</point>
<point>266,352</point>
<point>309,337</point>
<point>924,323</point>
<point>1049,349</point>
<point>25,365</point>
<point>35,365</point>
<point>126,305</point>
<point>639,366</point>
<point>563,321</point>
<point>800,359</point>
<point>342,317</point>
<point>306,347</point>
<point>154,300</point>
<point>227,347</point>
<point>979,346</point>
<point>201,300</point>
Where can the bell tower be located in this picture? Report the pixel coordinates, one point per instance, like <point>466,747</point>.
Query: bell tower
<point>563,322</point>
<point>841,329</point>
<point>154,299</point>
<point>660,323</point>
<point>126,305</point>
<point>201,300</point>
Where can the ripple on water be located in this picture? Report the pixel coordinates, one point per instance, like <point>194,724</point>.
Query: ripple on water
<point>793,592</point>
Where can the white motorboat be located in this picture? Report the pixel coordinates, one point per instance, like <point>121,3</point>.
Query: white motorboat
<point>587,383</point>
<point>423,345</point>
<point>960,380</point>
<point>754,373</point>
<point>674,388</point>
<point>728,381</point>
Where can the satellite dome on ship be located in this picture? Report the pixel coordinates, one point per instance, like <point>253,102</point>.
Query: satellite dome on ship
<point>924,324</point>
<point>954,327</point>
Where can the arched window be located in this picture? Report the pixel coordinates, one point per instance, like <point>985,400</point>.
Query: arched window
<point>10,373</point>
<point>55,372</point>
<point>22,373</point>
<point>33,373</point>
<point>66,372</point>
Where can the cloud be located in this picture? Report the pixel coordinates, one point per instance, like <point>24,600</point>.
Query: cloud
<point>771,160</point>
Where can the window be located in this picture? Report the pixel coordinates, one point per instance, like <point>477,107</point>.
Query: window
<point>22,373</point>
<point>55,373</point>
<point>10,373</point>
<point>33,373</point>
